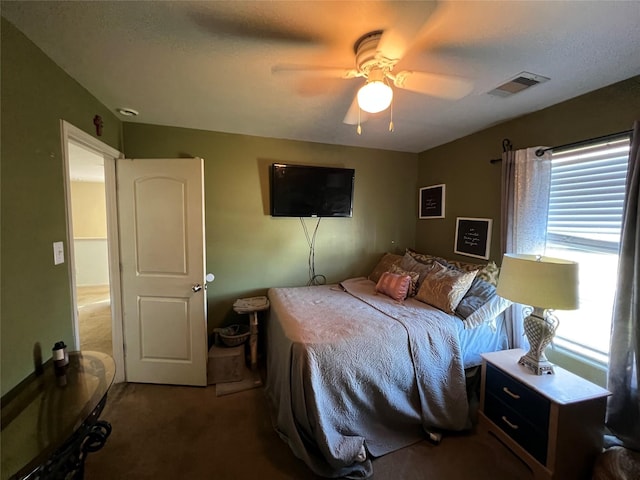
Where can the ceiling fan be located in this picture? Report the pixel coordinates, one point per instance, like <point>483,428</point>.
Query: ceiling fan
<point>376,55</point>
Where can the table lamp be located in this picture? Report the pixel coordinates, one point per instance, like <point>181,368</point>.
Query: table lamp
<point>545,284</point>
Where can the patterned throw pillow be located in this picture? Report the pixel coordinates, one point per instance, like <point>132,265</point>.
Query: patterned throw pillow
<point>444,287</point>
<point>420,257</point>
<point>429,259</point>
<point>394,285</point>
<point>490,273</point>
<point>415,276</point>
<point>384,265</point>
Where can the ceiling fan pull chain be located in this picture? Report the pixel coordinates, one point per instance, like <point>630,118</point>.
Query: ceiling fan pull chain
<point>391,117</point>
<point>359,129</point>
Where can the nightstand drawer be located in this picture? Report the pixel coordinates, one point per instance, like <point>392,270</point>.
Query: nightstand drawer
<point>532,437</point>
<point>520,398</point>
<point>554,423</point>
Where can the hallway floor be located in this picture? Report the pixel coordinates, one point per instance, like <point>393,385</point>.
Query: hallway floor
<point>94,318</point>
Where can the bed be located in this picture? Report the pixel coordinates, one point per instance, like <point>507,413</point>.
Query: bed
<point>354,373</point>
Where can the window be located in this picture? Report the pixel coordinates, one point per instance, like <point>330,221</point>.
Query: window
<point>584,225</point>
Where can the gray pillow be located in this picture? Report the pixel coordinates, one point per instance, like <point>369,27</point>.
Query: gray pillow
<point>479,293</point>
<point>410,264</point>
<point>480,304</point>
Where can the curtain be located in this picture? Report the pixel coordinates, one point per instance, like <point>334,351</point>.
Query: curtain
<point>623,408</point>
<point>526,183</point>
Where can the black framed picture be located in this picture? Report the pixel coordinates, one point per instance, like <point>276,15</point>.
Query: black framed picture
<point>473,237</point>
<point>432,201</point>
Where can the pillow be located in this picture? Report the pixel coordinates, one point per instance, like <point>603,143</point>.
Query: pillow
<point>444,287</point>
<point>481,304</point>
<point>487,313</point>
<point>479,293</point>
<point>420,257</point>
<point>413,288</point>
<point>394,285</point>
<point>410,264</point>
<point>462,266</point>
<point>383,265</point>
<point>490,273</point>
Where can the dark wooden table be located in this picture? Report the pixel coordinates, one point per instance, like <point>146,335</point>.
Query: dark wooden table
<point>50,422</point>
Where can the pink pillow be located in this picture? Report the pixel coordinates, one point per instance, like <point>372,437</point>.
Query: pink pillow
<point>394,285</point>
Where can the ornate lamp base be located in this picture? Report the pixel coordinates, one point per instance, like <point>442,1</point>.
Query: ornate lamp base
<point>537,366</point>
<point>540,327</point>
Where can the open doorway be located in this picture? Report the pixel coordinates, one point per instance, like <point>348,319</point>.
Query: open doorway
<point>91,250</point>
<point>92,241</point>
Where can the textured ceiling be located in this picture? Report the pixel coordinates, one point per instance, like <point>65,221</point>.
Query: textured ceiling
<point>210,65</point>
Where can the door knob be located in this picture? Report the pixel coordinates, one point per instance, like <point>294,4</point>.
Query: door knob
<point>196,288</point>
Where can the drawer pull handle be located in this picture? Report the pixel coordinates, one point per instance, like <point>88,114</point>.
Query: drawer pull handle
<point>510,393</point>
<point>512,425</point>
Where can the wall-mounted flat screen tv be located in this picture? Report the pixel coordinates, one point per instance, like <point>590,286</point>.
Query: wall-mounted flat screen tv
<point>309,191</point>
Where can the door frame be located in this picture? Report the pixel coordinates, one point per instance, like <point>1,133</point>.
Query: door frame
<point>70,133</point>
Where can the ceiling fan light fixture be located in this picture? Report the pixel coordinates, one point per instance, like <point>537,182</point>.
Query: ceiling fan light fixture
<point>375,96</point>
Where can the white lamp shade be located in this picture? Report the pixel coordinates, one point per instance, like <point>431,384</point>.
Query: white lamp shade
<point>375,96</point>
<point>539,281</point>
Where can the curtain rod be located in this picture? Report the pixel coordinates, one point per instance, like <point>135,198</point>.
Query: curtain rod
<point>611,136</point>
<point>506,146</point>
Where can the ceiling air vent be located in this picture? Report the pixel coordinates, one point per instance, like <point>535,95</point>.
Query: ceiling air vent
<point>520,82</point>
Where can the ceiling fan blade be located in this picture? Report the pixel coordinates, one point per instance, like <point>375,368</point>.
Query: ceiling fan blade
<point>232,18</point>
<point>351,118</point>
<point>333,72</point>
<point>443,86</point>
<point>395,41</point>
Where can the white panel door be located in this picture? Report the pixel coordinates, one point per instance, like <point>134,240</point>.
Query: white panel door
<point>161,216</point>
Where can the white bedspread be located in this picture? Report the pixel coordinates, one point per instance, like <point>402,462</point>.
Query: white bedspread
<point>350,371</point>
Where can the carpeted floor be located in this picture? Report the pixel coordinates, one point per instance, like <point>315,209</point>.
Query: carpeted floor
<point>168,432</point>
<point>94,318</point>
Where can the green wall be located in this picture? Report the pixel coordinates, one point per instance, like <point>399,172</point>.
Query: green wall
<point>473,183</point>
<point>250,251</point>
<point>36,301</point>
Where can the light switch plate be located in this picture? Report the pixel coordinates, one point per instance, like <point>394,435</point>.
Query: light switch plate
<point>58,253</point>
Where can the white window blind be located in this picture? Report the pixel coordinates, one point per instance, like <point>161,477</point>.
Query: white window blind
<point>584,225</point>
<point>587,196</point>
